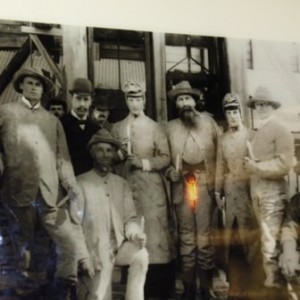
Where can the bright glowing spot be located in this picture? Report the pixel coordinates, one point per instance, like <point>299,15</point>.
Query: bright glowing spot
<point>191,190</point>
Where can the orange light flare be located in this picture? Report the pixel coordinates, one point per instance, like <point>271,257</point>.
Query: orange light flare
<point>191,190</point>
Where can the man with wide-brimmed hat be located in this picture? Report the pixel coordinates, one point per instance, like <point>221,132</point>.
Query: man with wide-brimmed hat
<point>232,193</point>
<point>269,160</point>
<point>145,155</point>
<point>37,174</point>
<point>193,140</point>
<point>78,126</point>
<point>113,233</point>
<point>100,111</point>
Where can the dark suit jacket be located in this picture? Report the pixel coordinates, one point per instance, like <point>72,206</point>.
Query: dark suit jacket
<point>77,140</point>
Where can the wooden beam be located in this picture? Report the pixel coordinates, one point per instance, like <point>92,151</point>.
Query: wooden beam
<point>90,54</point>
<point>151,99</point>
<point>74,54</point>
<point>14,65</point>
<point>56,71</point>
<point>159,54</point>
<point>33,30</point>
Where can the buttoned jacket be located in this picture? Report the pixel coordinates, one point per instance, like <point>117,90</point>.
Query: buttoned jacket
<point>123,220</point>
<point>35,155</point>
<point>205,133</point>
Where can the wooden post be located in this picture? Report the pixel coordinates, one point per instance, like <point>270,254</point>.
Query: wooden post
<point>90,54</point>
<point>75,59</point>
<point>159,55</point>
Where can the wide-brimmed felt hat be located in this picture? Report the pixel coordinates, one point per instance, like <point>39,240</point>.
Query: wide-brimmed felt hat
<point>262,95</point>
<point>82,86</point>
<point>184,88</point>
<point>133,88</point>
<point>103,136</point>
<point>31,72</point>
<point>102,102</point>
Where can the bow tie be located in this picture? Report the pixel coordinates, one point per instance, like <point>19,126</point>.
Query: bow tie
<point>81,122</point>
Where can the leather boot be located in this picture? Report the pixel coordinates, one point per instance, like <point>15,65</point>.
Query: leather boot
<point>63,290</point>
<point>189,284</point>
<point>206,277</point>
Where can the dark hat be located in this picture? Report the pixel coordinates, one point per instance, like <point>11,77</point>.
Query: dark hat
<point>133,89</point>
<point>31,72</point>
<point>82,86</point>
<point>262,95</point>
<point>231,100</point>
<point>184,88</point>
<point>58,101</point>
<point>103,136</point>
<point>102,102</point>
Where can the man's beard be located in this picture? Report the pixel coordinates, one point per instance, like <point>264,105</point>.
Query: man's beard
<point>188,116</point>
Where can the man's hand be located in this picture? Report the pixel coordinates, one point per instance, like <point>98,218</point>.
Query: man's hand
<point>220,202</point>
<point>139,239</point>
<point>250,165</point>
<point>297,168</point>
<point>86,267</point>
<point>289,263</point>
<point>174,175</point>
<point>134,162</point>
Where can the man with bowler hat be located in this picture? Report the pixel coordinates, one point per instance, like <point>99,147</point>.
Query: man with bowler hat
<point>269,160</point>
<point>36,174</point>
<point>77,125</point>
<point>193,141</point>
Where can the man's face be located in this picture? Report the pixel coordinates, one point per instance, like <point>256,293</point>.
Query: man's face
<point>135,105</point>
<point>32,88</point>
<point>57,110</point>
<point>100,116</point>
<point>81,104</point>
<point>233,117</point>
<point>264,110</point>
<point>103,154</point>
<point>184,101</point>
<point>186,108</point>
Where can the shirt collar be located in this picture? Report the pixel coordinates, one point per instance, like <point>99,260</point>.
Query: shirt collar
<point>28,104</point>
<point>263,122</point>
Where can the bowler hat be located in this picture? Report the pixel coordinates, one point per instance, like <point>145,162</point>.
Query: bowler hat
<point>184,88</point>
<point>103,136</point>
<point>102,102</point>
<point>133,89</point>
<point>81,86</point>
<point>31,72</point>
<point>262,95</point>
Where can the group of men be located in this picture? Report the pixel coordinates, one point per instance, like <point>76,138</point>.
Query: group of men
<point>119,208</point>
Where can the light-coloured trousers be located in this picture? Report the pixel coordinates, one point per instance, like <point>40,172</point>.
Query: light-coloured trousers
<point>99,287</point>
<point>269,199</point>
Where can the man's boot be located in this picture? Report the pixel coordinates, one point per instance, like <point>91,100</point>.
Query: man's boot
<point>189,284</point>
<point>206,292</point>
<point>63,289</point>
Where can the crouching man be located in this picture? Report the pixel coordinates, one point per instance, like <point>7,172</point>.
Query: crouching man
<point>112,232</point>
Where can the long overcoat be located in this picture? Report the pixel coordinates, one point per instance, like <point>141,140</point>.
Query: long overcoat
<point>149,142</point>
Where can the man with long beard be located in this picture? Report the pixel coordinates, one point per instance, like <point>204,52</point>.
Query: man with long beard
<point>193,140</point>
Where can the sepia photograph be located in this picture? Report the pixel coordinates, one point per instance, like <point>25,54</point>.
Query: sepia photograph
<point>145,164</point>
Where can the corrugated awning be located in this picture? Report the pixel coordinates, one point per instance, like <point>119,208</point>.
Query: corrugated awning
<point>107,73</point>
